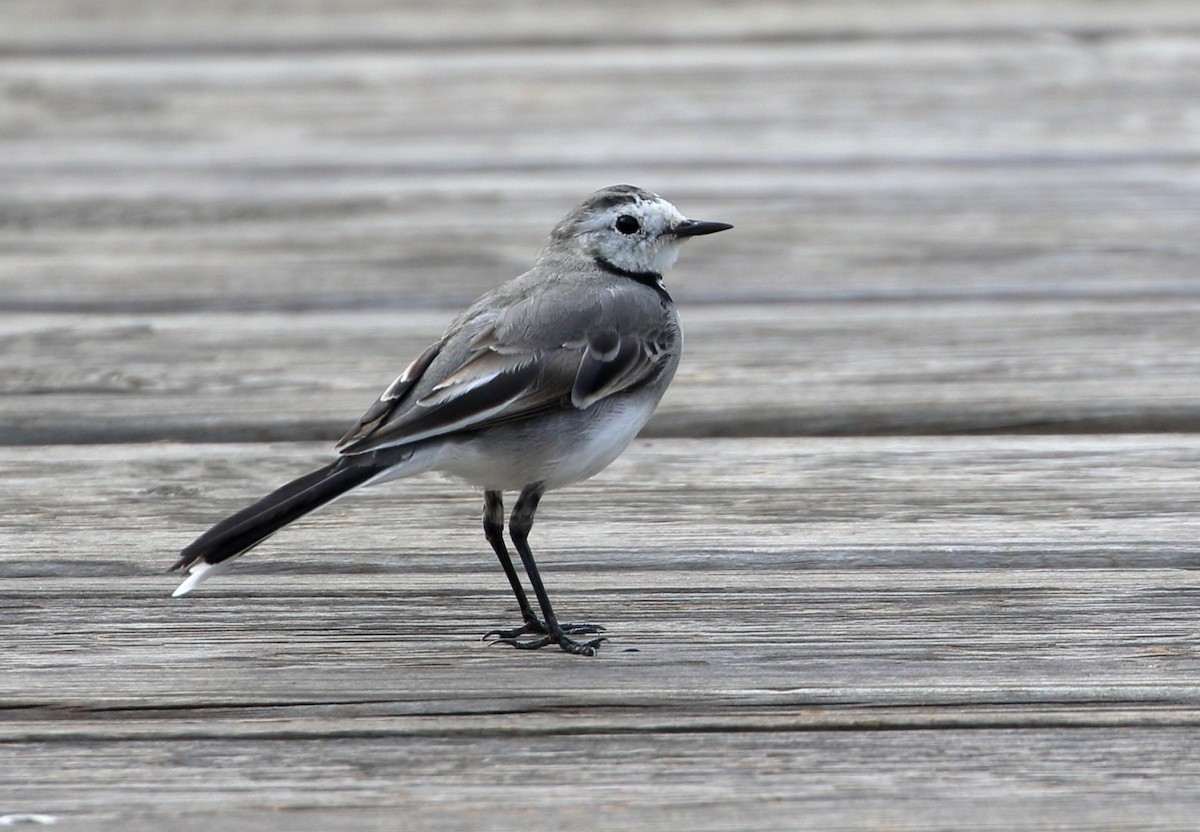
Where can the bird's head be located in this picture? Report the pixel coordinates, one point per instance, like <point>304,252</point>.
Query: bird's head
<point>630,229</point>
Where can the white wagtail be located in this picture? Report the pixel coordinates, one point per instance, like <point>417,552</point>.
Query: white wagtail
<point>539,384</point>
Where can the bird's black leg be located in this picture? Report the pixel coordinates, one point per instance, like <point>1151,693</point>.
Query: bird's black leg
<point>493,530</point>
<point>519,525</point>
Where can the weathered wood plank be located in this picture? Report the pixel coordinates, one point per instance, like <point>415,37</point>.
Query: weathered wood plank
<point>936,502</point>
<point>925,230</point>
<point>780,546</point>
<point>913,780</point>
<point>922,633</point>
<point>792,505</point>
<point>850,651</point>
<point>130,26</point>
<point>836,368</point>
<point>780,519</point>
<point>765,648</point>
<point>852,629</point>
<point>321,176</point>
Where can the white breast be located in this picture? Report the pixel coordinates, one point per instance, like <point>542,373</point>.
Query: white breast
<point>554,450</point>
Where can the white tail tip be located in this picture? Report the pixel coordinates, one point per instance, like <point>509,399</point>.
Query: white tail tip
<point>197,572</point>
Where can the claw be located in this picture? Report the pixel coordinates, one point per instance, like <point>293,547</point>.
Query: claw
<point>589,648</point>
<point>586,649</point>
<point>529,628</point>
<point>537,628</point>
<point>525,645</point>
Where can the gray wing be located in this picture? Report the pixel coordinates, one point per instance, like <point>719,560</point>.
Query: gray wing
<point>494,368</point>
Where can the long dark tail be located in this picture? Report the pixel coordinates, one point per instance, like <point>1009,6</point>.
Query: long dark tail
<point>254,524</point>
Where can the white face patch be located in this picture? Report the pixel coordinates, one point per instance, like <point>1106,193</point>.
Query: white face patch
<point>635,236</point>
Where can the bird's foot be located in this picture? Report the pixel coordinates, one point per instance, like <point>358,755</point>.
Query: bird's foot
<point>586,648</point>
<point>534,627</point>
<point>545,638</point>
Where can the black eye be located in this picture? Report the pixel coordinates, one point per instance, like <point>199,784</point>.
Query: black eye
<point>627,224</point>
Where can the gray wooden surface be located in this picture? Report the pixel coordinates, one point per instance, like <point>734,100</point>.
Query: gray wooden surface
<point>910,545</point>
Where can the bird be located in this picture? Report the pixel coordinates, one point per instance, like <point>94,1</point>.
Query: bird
<point>537,385</point>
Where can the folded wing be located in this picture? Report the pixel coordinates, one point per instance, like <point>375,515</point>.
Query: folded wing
<point>499,381</point>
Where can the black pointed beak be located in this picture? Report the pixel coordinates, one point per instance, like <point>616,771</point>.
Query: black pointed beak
<point>694,228</point>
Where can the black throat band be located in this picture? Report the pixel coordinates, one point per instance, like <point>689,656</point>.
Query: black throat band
<point>652,279</point>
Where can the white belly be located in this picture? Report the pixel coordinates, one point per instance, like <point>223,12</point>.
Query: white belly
<point>556,450</point>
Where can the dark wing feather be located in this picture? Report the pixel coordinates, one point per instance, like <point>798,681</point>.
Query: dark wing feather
<point>473,408</point>
<point>391,399</point>
<point>519,363</point>
<point>609,364</point>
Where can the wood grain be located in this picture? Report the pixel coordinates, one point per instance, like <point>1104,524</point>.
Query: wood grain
<point>994,502</point>
<point>811,619</point>
<point>885,604</point>
<point>1097,366</point>
<point>320,159</point>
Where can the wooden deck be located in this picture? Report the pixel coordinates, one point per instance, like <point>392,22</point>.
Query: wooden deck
<point>911,544</point>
